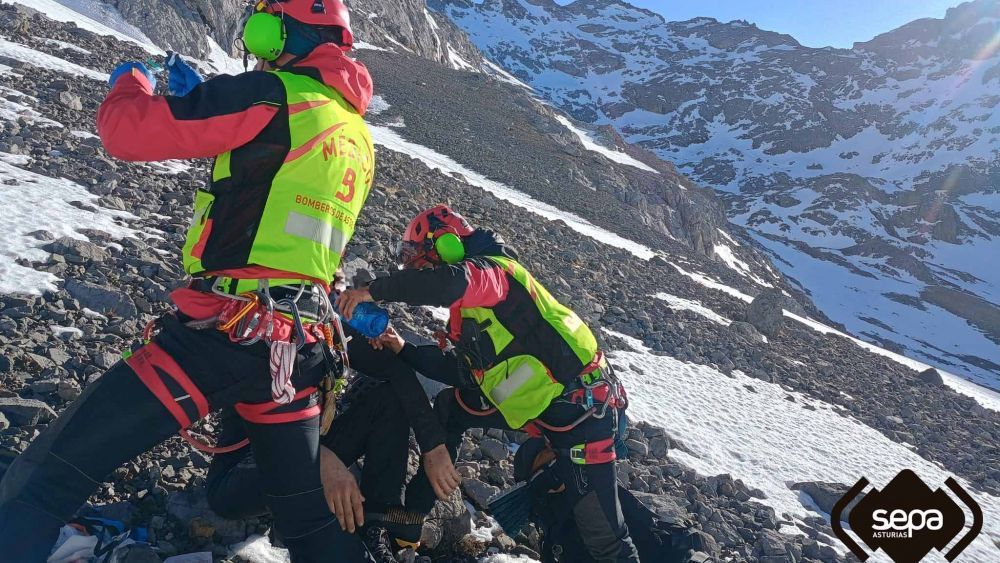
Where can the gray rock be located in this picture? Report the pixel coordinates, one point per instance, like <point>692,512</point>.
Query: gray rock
<point>67,246</point>
<point>45,386</point>
<point>101,299</point>
<point>68,390</point>
<point>70,100</point>
<point>494,449</point>
<point>745,331</point>
<point>25,412</point>
<point>931,376</point>
<point>637,447</point>
<point>765,312</point>
<point>659,446</point>
<point>479,492</point>
<point>826,494</point>
<point>4,423</point>
<point>771,544</point>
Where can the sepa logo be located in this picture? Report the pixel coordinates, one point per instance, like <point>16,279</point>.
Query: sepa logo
<point>907,519</point>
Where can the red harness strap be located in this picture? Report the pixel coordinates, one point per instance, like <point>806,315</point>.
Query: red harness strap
<point>470,410</point>
<point>145,361</point>
<point>601,451</point>
<point>261,413</point>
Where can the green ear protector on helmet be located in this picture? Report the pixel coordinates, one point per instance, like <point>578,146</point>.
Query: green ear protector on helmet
<point>450,248</point>
<point>264,35</point>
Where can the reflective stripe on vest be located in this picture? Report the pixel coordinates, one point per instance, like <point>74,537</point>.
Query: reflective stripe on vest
<point>302,222</point>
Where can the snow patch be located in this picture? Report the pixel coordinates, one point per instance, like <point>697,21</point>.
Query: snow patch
<point>45,60</point>
<point>588,143</point>
<point>64,45</point>
<point>392,140</point>
<point>727,255</point>
<point>61,330</point>
<point>681,304</point>
<point>369,47</point>
<point>39,202</point>
<point>378,105</point>
<point>220,61</point>
<point>986,397</point>
<point>504,76</point>
<point>259,550</point>
<point>169,167</point>
<point>457,61</point>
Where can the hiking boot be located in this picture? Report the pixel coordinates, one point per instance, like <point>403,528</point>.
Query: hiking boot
<point>379,545</point>
<point>404,527</point>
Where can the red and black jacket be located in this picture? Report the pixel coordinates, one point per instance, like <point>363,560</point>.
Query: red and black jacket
<point>226,113</point>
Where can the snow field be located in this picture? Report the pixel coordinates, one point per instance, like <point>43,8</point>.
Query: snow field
<point>38,202</point>
<point>769,441</point>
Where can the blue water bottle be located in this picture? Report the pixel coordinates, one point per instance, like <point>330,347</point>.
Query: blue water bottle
<point>369,319</point>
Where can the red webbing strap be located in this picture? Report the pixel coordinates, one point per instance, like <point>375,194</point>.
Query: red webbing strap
<point>144,362</point>
<point>470,410</point>
<point>260,413</point>
<point>594,364</point>
<point>601,451</point>
<point>199,445</point>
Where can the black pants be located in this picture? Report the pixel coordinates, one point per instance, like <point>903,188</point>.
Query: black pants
<point>369,426</point>
<point>118,418</point>
<point>591,490</point>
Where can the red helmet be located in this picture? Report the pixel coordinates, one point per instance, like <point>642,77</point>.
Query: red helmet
<point>418,248</point>
<point>324,13</point>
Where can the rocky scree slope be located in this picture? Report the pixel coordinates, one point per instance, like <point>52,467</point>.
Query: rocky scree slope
<point>112,290</point>
<point>870,171</point>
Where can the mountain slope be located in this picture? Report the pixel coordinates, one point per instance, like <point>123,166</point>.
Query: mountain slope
<point>730,420</point>
<point>871,174</point>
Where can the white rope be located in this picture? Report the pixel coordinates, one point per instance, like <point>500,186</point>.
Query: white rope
<point>282,366</point>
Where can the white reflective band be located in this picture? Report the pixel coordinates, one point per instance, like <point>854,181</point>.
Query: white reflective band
<point>514,381</point>
<point>316,230</point>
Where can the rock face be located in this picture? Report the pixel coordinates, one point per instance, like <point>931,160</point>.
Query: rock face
<point>186,25</point>
<point>865,170</point>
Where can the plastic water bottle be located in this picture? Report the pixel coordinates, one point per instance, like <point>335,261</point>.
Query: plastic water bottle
<point>369,319</point>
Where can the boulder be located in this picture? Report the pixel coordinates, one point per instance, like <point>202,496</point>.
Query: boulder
<point>494,449</point>
<point>25,412</point>
<point>826,494</point>
<point>766,312</point>
<point>67,246</point>
<point>479,492</point>
<point>101,299</point>
<point>931,376</point>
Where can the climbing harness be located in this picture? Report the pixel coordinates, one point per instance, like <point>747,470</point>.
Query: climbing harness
<point>249,318</point>
<point>599,391</point>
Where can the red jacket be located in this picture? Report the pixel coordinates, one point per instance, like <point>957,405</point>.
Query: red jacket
<point>220,114</point>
